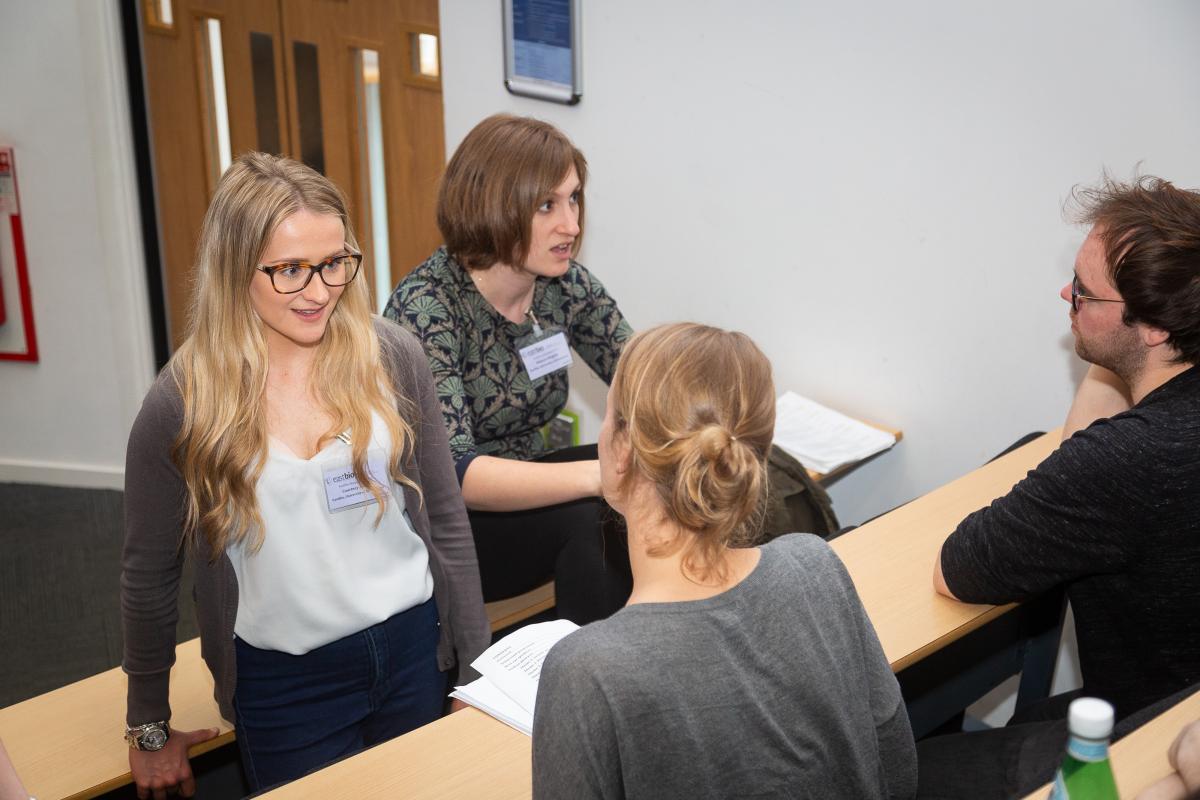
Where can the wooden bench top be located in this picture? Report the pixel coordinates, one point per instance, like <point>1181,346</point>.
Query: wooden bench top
<point>69,743</point>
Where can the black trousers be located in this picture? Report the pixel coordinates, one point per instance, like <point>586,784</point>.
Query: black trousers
<point>580,543</point>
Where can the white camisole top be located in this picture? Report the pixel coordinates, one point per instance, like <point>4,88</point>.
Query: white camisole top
<point>320,575</point>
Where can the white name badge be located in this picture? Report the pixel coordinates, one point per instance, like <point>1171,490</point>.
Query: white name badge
<point>342,489</point>
<point>546,355</point>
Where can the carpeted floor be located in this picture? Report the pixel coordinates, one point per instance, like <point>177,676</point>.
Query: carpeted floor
<point>60,567</point>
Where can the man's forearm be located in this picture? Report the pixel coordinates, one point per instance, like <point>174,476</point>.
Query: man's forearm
<point>1100,394</point>
<point>939,580</point>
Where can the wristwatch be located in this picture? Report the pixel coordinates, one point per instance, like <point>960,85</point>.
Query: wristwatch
<point>152,736</point>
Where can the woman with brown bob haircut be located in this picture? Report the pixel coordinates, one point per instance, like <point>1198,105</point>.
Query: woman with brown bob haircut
<point>498,309</point>
<point>733,671</point>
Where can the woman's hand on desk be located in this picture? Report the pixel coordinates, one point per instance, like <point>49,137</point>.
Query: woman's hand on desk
<point>156,773</point>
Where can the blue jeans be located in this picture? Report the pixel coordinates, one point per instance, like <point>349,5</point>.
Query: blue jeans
<point>298,713</point>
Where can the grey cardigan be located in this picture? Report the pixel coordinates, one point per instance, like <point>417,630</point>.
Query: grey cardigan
<point>153,555</point>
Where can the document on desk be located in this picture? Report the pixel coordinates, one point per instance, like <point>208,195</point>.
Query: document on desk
<point>511,669</point>
<point>821,438</point>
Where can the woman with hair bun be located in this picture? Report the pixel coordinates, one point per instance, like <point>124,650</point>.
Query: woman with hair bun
<point>732,671</point>
<point>293,450</point>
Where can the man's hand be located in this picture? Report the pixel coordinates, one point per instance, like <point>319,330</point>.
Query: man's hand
<point>457,705</point>
<point>1184,756</point>
<point>167,770</point>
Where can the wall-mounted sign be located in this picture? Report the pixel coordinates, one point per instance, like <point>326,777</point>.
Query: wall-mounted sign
<point>18,340</point>
<point>542,49</point>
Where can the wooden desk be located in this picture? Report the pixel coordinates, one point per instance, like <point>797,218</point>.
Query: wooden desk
<point>890,560</point>
<point>429,763</point>
<point>503,613</point>
<point>1140,758</point>
<point>466,755</point>
<point>68,744</point>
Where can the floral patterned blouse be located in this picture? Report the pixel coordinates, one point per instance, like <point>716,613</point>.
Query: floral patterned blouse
<point>490,405</point>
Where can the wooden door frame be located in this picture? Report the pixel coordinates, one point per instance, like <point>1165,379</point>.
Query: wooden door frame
<point>143,157</point>
<point>133,28</point>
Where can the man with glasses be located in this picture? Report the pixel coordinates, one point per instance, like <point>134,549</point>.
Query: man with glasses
<point>1114,514</point>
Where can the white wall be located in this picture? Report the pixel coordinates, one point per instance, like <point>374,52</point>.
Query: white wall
<point>872,190</point>
<point>65,419</point>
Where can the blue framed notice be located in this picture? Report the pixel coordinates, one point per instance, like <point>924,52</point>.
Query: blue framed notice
<point>541,49</point>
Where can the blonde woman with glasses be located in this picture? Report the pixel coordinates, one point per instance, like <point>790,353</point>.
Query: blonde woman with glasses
<point>293,449</point>
<point>733,671</point>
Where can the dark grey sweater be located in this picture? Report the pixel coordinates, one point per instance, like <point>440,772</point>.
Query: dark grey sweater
<point>155,498</point>
<point>775,688</point>
<point>1114,515</point>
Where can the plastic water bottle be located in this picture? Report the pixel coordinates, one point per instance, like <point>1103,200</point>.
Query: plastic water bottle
<point>1086,773</point>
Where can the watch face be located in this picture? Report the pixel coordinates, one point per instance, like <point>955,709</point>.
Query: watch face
<point>154,739</point>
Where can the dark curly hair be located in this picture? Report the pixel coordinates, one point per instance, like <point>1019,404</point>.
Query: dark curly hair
<point>1151,235</point>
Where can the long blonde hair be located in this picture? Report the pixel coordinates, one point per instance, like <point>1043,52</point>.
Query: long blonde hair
<point>221,368</point>
<point>697,404</point>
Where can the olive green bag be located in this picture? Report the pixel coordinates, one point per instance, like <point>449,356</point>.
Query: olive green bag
<point>795,503</point>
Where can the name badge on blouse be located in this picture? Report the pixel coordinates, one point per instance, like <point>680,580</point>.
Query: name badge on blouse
<point>342,489</point>
<point>543,353</point>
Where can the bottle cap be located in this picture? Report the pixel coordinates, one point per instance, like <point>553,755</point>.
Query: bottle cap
<point>1090,718</point>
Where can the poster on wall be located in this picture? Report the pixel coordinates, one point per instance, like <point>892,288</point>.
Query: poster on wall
<point>542,49</point>
<point>18,339</point>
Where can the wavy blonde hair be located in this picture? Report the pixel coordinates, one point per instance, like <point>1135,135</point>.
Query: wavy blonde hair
<point>221,367</point>
<point>697,405</point>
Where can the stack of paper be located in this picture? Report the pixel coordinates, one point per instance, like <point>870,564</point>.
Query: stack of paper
<point>511,669</point>
<point>821,438</point>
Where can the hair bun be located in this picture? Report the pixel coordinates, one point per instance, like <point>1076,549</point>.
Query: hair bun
<point>713,440</point>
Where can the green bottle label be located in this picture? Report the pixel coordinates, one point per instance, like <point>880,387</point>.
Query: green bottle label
<point>1086,773</point>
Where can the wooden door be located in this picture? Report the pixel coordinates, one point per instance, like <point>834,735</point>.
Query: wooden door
<point>293,84</point>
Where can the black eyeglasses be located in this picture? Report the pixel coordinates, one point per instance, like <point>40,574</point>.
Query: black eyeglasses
<point>295,276</point>
<point>1076,296</point>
